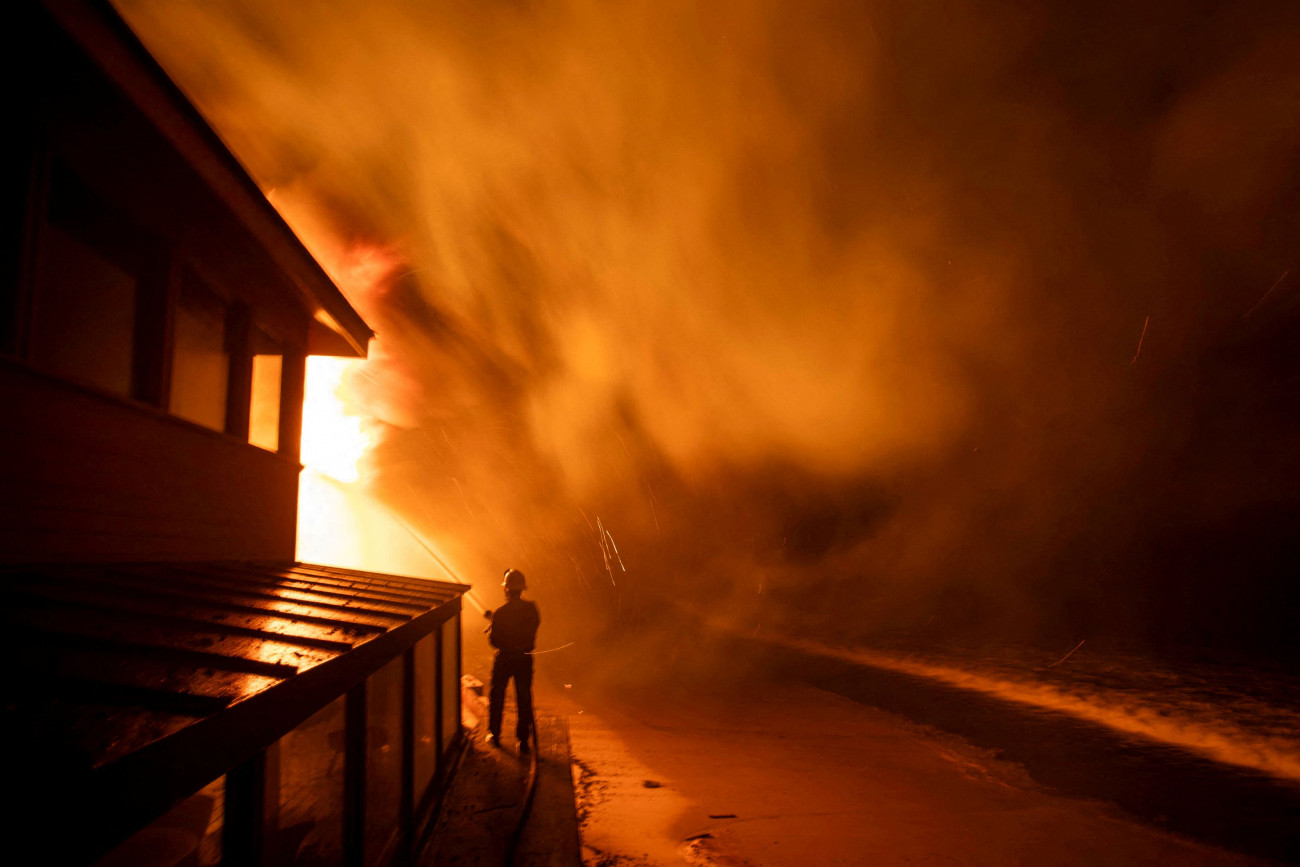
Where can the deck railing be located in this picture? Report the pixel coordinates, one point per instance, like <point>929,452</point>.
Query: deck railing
<point>233,713</point>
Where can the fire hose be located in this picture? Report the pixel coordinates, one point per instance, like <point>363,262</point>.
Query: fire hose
<point>529,793</point>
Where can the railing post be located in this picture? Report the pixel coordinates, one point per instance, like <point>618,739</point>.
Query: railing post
<point>439,760</point>
<point>354,776</point>
<point>460,663</point>
<point>406,807</point>
<point>242,830</point>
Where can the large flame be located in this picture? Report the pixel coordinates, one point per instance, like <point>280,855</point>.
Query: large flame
<point>340,522</point>
<point>333,439</point>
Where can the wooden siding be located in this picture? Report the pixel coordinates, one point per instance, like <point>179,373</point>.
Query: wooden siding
<point>88,477</point>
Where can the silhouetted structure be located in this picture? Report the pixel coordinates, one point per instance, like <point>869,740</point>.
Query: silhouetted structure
<point>183,691</point>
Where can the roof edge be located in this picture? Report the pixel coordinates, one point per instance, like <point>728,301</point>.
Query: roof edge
<point>109,42</point>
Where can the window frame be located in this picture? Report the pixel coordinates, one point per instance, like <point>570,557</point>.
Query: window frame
<point>159,269</point>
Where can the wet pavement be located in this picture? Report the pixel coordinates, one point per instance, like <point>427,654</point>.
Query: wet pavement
<point>1164,786</point>
<point>490,818</point>
<point>780,774</point>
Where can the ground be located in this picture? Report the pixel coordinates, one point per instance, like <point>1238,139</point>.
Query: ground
<point>779,774</point>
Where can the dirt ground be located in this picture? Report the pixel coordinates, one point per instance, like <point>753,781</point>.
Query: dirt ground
<point>791,776</point>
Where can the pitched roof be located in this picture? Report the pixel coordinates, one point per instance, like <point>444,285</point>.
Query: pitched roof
<point>113,47</point>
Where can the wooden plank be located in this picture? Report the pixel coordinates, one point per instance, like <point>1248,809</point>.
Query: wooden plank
<point>89,477</point>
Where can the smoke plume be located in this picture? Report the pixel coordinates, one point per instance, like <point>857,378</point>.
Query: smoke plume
<point>839,317</point>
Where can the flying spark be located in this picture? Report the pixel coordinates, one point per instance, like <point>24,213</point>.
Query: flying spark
<point>1276,283</point>
<point>1141,337</point>
<point>605,536</point>
<point>1067,656</point>
<point>650,495</point>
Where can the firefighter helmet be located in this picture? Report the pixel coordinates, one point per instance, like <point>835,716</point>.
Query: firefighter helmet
<point>514,580</point>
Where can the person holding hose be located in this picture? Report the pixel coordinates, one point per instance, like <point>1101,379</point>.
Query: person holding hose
<point>513,632</point>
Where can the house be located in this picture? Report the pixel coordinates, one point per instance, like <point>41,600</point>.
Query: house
<point>181,690</point>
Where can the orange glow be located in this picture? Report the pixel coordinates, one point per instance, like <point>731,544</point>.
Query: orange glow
<point>796,296</point>
<point>333,440</point>
<point>727,331</point>
<point>339,525</point>
<point>339,522</point>
<point>1209,733</point>
<point>264,421</point>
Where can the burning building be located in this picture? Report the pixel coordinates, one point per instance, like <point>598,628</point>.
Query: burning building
<point>183,691</point>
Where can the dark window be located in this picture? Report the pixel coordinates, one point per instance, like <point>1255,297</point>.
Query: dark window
<point>304,792</point>
<point>450,680</point>
<point>189,833</point>
<point>425,709</point>
<point>200,357</point>
<point>383,759</point>
<point>88,306</point>
<point>84,322</point>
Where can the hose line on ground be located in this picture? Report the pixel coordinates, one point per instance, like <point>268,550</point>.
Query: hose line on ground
<point>528,798</point>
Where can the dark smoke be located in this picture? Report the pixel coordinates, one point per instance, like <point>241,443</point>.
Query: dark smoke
<point>826,314</point>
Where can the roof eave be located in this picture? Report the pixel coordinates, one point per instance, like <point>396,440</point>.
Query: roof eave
<point>114,47</point>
